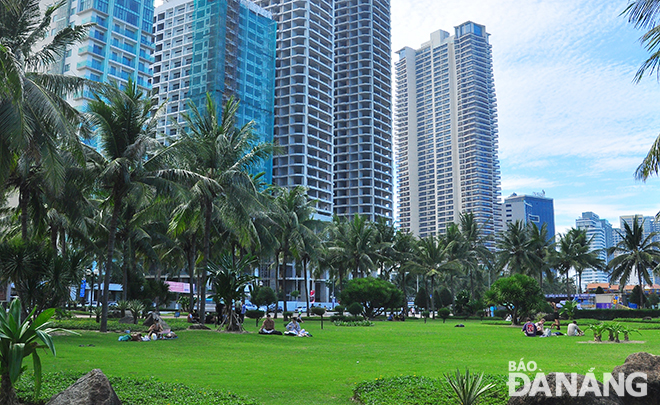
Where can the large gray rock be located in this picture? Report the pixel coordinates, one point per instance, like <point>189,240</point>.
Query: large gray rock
<point>91,389</point>
<point>127,319</point>
<point>565,399</point>
<point>153,317</point>
<point>642,363</point>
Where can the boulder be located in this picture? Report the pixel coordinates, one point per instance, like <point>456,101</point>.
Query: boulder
<point>647,318</point>
<point>153,317</point>
<point>91,389</point>
<point>642,363</point>
<point>540,398</point>
<point>127,319</point>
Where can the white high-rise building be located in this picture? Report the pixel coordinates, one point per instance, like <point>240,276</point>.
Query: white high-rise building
<point>304,97</point>
<point>446,132</point>
<point>363,171</point>
<point>599,232</point>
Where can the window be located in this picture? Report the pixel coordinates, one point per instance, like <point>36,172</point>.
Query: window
<point>67,67</point>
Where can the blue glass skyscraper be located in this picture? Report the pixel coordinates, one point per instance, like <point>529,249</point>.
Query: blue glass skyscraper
<point>221,47</point>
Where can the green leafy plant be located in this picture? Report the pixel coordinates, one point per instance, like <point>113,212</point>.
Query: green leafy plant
<point>569,309</point>
<point>136,307</point>
<point>123,306</point>
<point>98,311</point>
<point>18,340</point>
<point>444,314</point>
<point>339,309</point>
<point>320,311</point>
<point>468,388</point>
<point>627,331</point>
<point>598,329</point>
<point>353,323</point>
<point>255,314</point>
<point>355,309</point>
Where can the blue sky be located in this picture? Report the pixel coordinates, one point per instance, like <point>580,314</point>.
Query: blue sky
<point>571,120</point>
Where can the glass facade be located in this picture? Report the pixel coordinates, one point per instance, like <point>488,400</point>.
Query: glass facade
<point>221,47</point>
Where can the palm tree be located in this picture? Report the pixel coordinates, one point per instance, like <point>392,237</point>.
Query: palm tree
<point>540,245</point>
<point>574,253</point>
<point>634,253</point>
<point>476,250</point>
<point>294,219</point>
<point>433,259</point>
<point>125,122</point>
<point>643,14</point>
<point>515,250</point>
<point>34,117</point>
<point>355,245</point>
<point>229,279</point>
<point>221,155</point>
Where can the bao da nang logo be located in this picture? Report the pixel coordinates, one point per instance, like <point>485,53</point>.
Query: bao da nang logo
<point>562,384</point>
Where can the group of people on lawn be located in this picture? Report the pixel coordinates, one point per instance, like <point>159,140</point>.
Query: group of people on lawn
<point>292,328</point>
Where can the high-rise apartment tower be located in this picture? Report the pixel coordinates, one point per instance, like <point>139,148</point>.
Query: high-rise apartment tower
<point>363,171</point>
<point>446,132</point>
<point>304,97</point>
<point>224,48</point>
<point>599,233</point>
<point>118,47</point>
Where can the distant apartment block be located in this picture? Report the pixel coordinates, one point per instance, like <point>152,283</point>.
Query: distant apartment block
<point>224,48</point>
<point>535,208</point>
<point>446,132</point>
<point>304,99</point>
<point>118,47</point>
<point>600,234</point>
<point>363,167</point>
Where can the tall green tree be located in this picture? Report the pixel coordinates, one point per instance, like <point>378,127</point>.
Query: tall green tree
<point>221,156</point>
<point>645,15</point>
<point>515,250</point>
<point>125,123</point>
<point>476,251</point>
<point>433,260</point>
<point>541,245</point>
<point>36,120</point>
<point>574,252</point>
<point>295,223</point>
<point>635,253</point>
<point>229,279</point>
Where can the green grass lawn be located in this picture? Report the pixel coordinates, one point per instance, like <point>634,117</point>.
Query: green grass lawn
<point>324,369</point>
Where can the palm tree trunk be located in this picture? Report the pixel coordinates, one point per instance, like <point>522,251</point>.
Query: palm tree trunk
<point>63,240</point>
<point>53,239</point>
<point>206,243</point>
<point>191,270</point>
<point>641,290</point>
<point>112,233</point>
<point>7,392</point>
<point>430,293</point>
<point>23,203</point>
<point>568,292</point>
<point>306,284</point>
<point>125,268</point>
<point>283,272</point>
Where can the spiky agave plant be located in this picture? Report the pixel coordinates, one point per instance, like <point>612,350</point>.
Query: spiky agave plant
<point>468,388</point>
<point>18,340</point>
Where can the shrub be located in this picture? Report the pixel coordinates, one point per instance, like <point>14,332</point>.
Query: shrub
<point>320,311</point>
<point>501,313</point>
<point>610,314</point>
<point>287,315</point>
<point>344,318</point>
<point>339,309</point>
<point>254,314</point>
<point>136,391</point>
<point>444,314</point>
<point>355,309</point>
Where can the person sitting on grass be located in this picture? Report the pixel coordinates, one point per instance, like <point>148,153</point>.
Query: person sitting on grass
<point>268,327</point>
<point>529,329</point>
<point>156,328</point>
<point>574,330</point>
<point>293,328</point>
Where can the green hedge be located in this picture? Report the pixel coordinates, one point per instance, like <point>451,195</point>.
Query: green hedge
<point>346,318</point>
<point>133,391</point>
<point>412,390</point>
<point>114,325</point>
<point>610,314</point>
